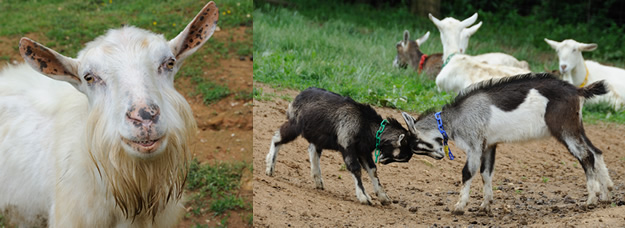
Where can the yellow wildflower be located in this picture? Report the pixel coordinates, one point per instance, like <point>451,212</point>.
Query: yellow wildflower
<point>154,23</point>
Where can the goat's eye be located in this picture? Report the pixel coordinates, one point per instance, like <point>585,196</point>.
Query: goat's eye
<point>89,78</point>
<point>169,64</point>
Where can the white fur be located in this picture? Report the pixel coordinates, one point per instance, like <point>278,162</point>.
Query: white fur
<point>64,162</point>
<point>315,169</point>
<point>573,68</point>
<point>526,122</point>
<point>455,37</point>
<point>463,70</point>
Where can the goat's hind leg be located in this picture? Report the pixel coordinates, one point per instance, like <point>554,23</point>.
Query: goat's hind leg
<point>315,170</point>
<point>586,158</point>
<point>287,133</point>
<point>606,184</point>
<point>488,163</point>
<point>369,165</point>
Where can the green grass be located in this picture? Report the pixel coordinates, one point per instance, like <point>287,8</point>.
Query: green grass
<point>67,25</point>
<point>211,91</point>
<point>216,186</point>
<point>349,49</point>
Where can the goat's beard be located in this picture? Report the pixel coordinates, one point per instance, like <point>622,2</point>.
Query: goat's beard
<point>142,187</point>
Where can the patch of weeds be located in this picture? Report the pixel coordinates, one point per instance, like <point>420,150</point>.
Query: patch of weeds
<point>215,186</point>
<point>545,179</point>
<point>523,178</point>
<point>229,202</point>
<point>224,221</point>
<point>259,95</point>
<point>343,168</point>
<point>518,191</point>
<point>250,219</point>
<point>243,95</point>
<point>211,91</point>
<point>286,98</point>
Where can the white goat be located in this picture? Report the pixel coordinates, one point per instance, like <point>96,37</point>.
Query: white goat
<point>102,141</point>
<point>455,37</point>
<point>579,72</point>
<point>460,70</point>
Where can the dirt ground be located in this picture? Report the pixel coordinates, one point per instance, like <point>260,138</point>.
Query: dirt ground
<point>224,128</point>
<point>538,184</point>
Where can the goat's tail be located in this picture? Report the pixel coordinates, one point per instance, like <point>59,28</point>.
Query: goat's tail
<point>594,89</point>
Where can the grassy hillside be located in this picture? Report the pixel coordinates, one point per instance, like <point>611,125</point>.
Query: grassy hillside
<point>349,49</point>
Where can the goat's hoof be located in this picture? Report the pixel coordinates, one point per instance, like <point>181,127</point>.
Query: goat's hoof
<point>269,172</point>
<point>385,202</point>
<point>319,187</point>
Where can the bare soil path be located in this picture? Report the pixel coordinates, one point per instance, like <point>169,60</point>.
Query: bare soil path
<point>538,184</point>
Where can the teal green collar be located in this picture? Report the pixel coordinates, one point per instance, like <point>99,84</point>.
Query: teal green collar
<point>447,59</point>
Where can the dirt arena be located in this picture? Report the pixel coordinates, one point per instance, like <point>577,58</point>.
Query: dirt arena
<point>537,184</point>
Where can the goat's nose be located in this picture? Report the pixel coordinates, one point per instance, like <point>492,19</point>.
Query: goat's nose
<point>563,66</point>
<point>144,115</point>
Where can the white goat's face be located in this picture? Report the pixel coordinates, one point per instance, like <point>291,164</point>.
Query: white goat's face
<point>455,34</point>
<point>429,139</point>
<point>127,76</point>
<point>570,53</point>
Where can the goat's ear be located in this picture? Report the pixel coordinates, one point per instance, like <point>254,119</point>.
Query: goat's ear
<point>49,62</point>
<point>471,30</point>
<point>469,21</point>
<point>410,121</point>
<point>587,47</point>
<point>406,36</point>
<point>553,44</point>
<point>196,33</point>
<point>423,38</point>
<point>436,21</point>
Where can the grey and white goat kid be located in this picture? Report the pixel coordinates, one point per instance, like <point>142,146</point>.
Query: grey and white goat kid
<point>330,121</point>
<point>515,109</point>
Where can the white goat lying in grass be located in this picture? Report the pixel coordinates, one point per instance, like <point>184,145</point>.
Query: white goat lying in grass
<point>102,141</point>
<point>579,72</point>
<point>460,70</point>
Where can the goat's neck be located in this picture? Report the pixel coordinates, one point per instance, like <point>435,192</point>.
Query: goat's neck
<point>448,121</point>
<point>577,75</point>
<point>449,51</point>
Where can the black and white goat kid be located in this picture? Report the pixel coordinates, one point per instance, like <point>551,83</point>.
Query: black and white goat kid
<point>514,109</point>
<point>330,121</point>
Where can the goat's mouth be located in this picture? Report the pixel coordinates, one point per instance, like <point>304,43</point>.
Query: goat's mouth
<point>144,146</point>
<point>386,160</point>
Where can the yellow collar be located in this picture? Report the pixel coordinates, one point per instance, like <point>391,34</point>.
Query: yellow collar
<point>585,79</point>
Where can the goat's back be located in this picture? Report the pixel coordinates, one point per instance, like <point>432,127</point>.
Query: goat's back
<point>39,118</point>
<point>327,119</point>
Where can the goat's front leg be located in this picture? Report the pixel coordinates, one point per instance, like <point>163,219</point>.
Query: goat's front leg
<point>352,164</point>
<point>315,170</point>
<point>469,170</point>
<point>369,165</point>
<point>488,163</point>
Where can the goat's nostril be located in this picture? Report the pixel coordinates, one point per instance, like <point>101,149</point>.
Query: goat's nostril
<point>563,67</point>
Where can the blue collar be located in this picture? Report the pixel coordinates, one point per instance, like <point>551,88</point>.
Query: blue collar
<point>439,121</point>
<point>447,60</point>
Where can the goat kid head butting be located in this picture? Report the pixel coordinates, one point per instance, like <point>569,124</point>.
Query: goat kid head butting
<point>139,127</point>
<point>330,121</point>
<point>516,109</point>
